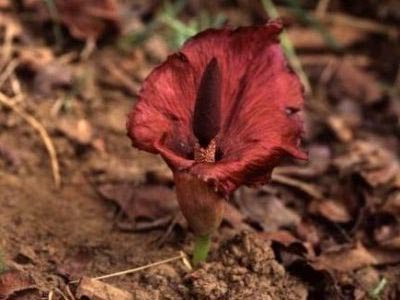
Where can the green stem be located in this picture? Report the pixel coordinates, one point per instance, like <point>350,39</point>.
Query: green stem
<point>201,248</point>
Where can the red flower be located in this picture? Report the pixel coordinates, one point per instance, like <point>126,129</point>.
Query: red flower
<point>223,110</point>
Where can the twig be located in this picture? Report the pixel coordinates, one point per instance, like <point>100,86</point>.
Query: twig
<point>181,256</point>
<point>89,48</point>
<point>42,132</point>
<point>9,69</point>
<point>69,292</point>
<point>50,296</point>
<point>60,292</point>
<point>288,47</point>
<point>8,45</point>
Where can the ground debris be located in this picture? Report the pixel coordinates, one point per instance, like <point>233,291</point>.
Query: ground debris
<point>96,290</point>
<point>84,20</point>
<point>13,283</point>
<point>377,164</point>
<point>353,82</point>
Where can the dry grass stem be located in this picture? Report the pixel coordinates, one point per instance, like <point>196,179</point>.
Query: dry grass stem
<point>181,256</point>
<point>42,132</point>
<point>90,47</point>
<point>62,294</point>
<point>322,8</point>
<point>50,296</point>
<point>69,292</point>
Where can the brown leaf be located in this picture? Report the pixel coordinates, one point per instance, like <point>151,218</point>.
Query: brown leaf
<point>307,231</point>
<point>332,210</point>
<point>13,283</point>
<point>384,256</point>
<point>345,36</point>
<point>346,259</point>
<point>90,18</point>
<point>267,211</point>
<point>93,289</point>
<point>33,57</point>
<point>149,201</point>
<point>79,131</point>
<point>392,243</point>
<point>51,76</point>
<point>10,156</point>
<point>340,128</point>
<point>75,265</point>
<point>48,73</point>
<point>282,236</point>
<point>392,204</point>
<point>5,4</point>
<point>372,160</point>
<point>307,188</point>
<point>352,82</point>
<point>235,218</point>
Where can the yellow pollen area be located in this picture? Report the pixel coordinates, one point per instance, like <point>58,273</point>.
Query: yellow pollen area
<point>205,154</point>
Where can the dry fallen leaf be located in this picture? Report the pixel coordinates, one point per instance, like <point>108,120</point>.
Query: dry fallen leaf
<point>96,290</point>
<point>47,73</point>
<point>332,210</point>
<point>149,201</point>
<point>267,211</point>
<point>346,259</point>
<point>15,282</point>
<point>52,76</point>
<point>345,36</point>
<point>78,130</point>
<point>88,19</point>
<point>340,128</point>
<point>377,164</point>
<point>392,204</point>
<point>353,82</point>
<point>75,264</point>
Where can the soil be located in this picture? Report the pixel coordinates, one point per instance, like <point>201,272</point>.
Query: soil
<point>243,267</point>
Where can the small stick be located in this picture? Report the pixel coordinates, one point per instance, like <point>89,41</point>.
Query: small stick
<point>9,69</point>
<point>43,134</point>
<point>69,292</point>
<point>50,296</point>
<point>60,292</point>
<point>89,48</point>
<point>134,270</point>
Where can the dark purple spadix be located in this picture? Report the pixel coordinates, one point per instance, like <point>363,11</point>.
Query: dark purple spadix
<point>207,110</point>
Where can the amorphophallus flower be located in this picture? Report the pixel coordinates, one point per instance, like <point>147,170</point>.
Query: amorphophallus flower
<point>222,112</point>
